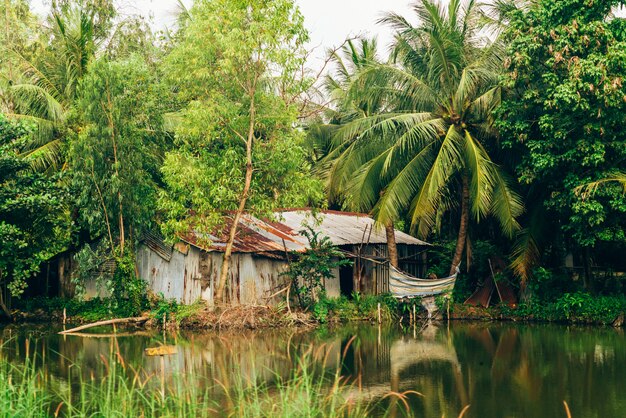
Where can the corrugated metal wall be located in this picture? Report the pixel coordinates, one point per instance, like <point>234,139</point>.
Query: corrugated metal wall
<point>192,276</point>
<point>174,279</point>
<point>253,279</point>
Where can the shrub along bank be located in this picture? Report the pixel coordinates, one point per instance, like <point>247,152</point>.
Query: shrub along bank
<point>576,307</point>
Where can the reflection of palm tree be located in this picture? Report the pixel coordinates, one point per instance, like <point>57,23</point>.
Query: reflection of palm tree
<point>503,357</point>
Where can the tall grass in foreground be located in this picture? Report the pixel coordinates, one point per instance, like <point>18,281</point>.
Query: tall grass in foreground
<point>122,391</point>
<point>303,394</point>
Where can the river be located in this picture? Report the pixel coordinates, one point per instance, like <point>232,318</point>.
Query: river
<point>502,370</point>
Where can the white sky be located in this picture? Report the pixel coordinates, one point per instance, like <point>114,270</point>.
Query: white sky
<point>329,21</point>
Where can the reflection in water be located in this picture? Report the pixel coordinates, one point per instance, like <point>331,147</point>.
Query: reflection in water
<point>502,370</point>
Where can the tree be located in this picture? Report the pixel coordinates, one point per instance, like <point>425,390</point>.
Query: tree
<point>47,90</point>
<point>427,149</point>
<point>45,76</point>
<point>236,66</point>
<point>34,220</point>
<point>351,58</point>
<point>114,159</point>
<point>563,119</point>
<point>17,28</point>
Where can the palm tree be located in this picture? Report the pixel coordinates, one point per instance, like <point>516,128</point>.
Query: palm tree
<point>49,81</point>
<point>353,57</point>
<point>348,60</point>
<point>425,149</point>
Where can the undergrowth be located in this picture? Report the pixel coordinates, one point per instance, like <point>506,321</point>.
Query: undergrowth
<point>579,307</point>
<point>358,308</point>
<point>123,391</point>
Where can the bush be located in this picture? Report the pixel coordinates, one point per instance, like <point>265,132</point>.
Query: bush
<point>571,307</point>
<point>309,270</point>
<point>359,308</point>
<point>546,285</point>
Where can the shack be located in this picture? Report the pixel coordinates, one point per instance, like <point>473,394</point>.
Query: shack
<point>190,270</point>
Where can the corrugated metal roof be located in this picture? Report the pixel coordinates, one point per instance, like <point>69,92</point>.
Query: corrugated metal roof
<point>155,242</point>
<point>343,228</point>
<point>259,236</point>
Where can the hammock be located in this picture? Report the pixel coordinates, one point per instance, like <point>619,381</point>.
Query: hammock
<point>402,285</point>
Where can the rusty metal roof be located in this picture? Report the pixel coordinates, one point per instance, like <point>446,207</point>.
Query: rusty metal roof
<point>264,236</point>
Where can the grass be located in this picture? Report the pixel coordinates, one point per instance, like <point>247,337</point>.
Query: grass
<point>122,391</point>
<point>358,308</point>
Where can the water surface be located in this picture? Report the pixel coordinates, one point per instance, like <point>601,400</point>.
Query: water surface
<point>502,370</point>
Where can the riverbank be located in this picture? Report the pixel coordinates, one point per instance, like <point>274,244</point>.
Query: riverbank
<point>161,314</point>
<point>171,315</point>
<point>578,308</point>
<point>569,308</point>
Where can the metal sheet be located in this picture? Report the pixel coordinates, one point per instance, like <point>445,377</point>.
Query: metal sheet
<point>283,233</point>
<point>343,228</point>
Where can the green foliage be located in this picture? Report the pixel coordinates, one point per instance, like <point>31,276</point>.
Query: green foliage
<point>171,310</point>
<point>482,251</point>
<point>359,308</point>
<point>90,266</point>
<point>444,302</point>
<point>309,270</point>
<point>127,287</point>
<point>126,391</point>
<point>562,118</point>
<point>546,285</point>
<point>91,310</point>
<point>116,155</point>
<point>34,221</point>
<point>430,135</point>
<point>164,308</point>
<point>577,307</point>
<point>413,304</point>
<point>114,275</point>
<point>235,69</point>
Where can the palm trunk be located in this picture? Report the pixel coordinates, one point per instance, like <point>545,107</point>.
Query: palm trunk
<point>391,244</point>
<point>460,241</point>
<point>219,294</point>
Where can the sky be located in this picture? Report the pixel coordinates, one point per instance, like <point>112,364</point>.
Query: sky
<point>329,22</point>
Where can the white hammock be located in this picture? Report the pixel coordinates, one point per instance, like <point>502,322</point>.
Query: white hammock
<point>403,285</point>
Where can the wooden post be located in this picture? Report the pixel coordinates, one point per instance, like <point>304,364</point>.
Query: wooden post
<point>163,379</point>
<point>495,282</point>
<point>379,317</point>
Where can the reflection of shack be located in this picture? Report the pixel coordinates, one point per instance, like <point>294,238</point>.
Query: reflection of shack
<point>405,354</point>
<point>189,271</point>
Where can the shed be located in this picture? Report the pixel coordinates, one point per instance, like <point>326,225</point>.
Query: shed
<point>189,271</point>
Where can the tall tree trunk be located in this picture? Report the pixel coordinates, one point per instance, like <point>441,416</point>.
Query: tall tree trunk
<point>588,275</point>
<point>391,244</point>
<point>460,241</point>
<point>4,308</point>
<point>219,294</point>
<point>116,165</point>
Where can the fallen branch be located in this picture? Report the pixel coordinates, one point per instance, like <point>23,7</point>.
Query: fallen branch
<point>115,335</point>
<point>136,320</point>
